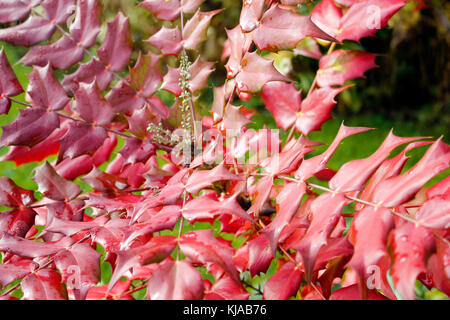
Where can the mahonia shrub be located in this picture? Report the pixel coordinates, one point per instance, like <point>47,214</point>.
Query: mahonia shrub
<point>139,196</point>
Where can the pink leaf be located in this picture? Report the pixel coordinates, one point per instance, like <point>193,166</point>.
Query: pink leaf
<point>44,90</point>
<point>34,30</point>
<point>194,31</point>
<point>80,268</point>
<point>435,213</point>
<point>259,255</point>
<point>202,246</point>
<point>168,41</point>
<point>399,189</point>
<point>326,211</point>
<point>115,50</point>
<point>91,105</point>
<point>342,65</point>
<point>43,285</point>
<point>32,126</point>
<point>175,280</point>
<point>14,196</point>
<point>411,247</point>
<point>15,10</point>
<point>31,249</point>
<point>362,19</point>
<point>354,174</point>
<point>256,72</point>
<point>283,29</point>
<point>288,202</point>
<point>283,284</point>
<point>9,85</point>
<point>311,166</point>
<point>251,12</point>
<point>53,186</point>
<point>81,139</point>
<point>86,25</point>
<point>15,270</point>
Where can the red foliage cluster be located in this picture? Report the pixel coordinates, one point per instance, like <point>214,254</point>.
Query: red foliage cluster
<point>141,209</point>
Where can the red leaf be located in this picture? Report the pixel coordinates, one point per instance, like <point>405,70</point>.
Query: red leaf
<point>166,218</point>
<point>168,41</point>
<point>145,75</point>
<point>283,100</point>
<point>256,72</point>
<point>53,186</point>
<point>353,175</point>
<point>362,19</point>
<point>259,255</point>
<point>226,289</point>
<point>369,230</point>
<point>435,213</point>
<point>31,249</point>
<point>201,246</point>
<point>80,268</point>
<point>32,126</point>
<point>283,284</point>
<point>342,65</point>
<point>316,109</point>
<point>239,44</point>
<point>203,178</point>
<point>123,99</point>
<point>43,285</point>
<point>288,202</point>
<point>311,166</point>
<point>44,90</point>
<point>259,197</point>
<point>136,150</point>
<point>411,247</point>
<point>17,222</point>
<point>154,251</point>
<point>115,50</point>
<point>58,10</point>
<point>61,54</point>
<point>440,188</point>
<point>9,85</point>
<point>175,280</point>
<point>70,228</point>
<point>389,168</point>
<point>251,12</point>
<point>396,190</point>
<point>326,211</point>
<point>199,71</point>
<point>86,25</point>
<point>102,181</point>
<point>353,293</point>
<point>40,151</point>
<point>14,196</point>
<point>91,105</point>
<point>283,29</point>
<point>15,10</point>
<point>88,72</point>
<point>15,270</point>
<point>35,29</point>
<point>195,28</point>
<point>81,139</point>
